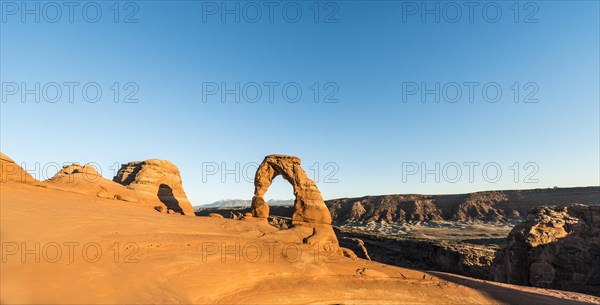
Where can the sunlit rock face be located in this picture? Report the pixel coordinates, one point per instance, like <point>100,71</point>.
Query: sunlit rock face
<point>156,181</point>
<point>309,206</point>
<point>311,220</point>
<point>555,247</point>
<point>11,171</point>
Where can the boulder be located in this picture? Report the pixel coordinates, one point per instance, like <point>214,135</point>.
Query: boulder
<point>280,223</point>
<point>356,245</point>
<point>156,181</point>
<point>554,247</point>
<point>345,252</point>
<point>236,215</point>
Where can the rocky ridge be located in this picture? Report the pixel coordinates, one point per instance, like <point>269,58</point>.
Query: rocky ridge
<point>489,206</point>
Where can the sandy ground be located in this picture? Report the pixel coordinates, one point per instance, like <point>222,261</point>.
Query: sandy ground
<point>65,247</point>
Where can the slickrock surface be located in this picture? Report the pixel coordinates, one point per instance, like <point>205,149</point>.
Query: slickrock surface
<point>157,182</point>
<point>86,180</point>
<point>153,258</point>
<point>555,247</point>
<point>11,171</point>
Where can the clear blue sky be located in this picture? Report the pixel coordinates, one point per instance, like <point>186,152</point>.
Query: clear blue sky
<point>372,52</point>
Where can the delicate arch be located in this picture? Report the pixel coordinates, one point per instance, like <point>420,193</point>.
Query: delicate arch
<point>308,204</point>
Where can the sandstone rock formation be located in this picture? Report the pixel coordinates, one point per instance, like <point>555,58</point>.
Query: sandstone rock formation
<point>235,216</point>
<point>348,253</point>
<point>86,170</point>
<point>555,247</point>
<point>311,219</point>
<point>11,171</point>
<point>156,181</point>
<point>356,245</point>
<point>86,180</point>
<point>309,206</point>
<point>280,222</point>
<point>485,206</point>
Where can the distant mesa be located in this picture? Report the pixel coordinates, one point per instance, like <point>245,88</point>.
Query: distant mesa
<point>11,171</point>
<point>156,181</point>
<point>554,247</point>
<point>488,206</point>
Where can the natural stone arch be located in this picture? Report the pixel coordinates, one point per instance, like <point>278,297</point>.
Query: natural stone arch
<point>309,206</point>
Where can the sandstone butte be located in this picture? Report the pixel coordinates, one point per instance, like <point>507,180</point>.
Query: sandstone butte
<point>125,252</point>
<point>157,181</point>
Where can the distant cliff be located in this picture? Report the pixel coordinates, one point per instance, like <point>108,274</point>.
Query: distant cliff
<point>493,206</point>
